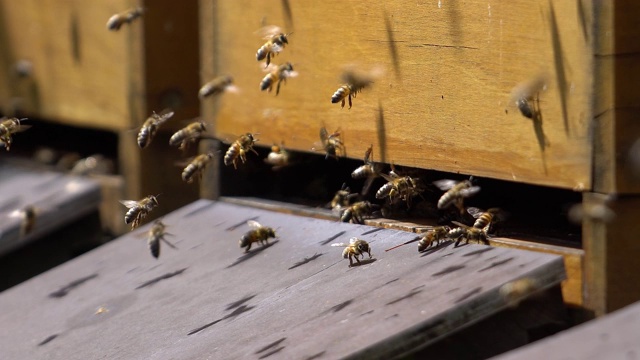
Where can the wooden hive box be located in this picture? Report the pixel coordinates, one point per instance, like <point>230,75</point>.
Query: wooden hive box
<point>444,101</point>
<point>82,75</point>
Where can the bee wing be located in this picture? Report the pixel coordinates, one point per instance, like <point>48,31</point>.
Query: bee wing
<point>353,240</point>
<point>470,191</point>
<point>269,68</point>
<point>164,115</point>
<point>324,135</point>
<point>445,184</point>
<point>367,154</point>
<point>391,177</point>
<point>475,212</point>
<point>339,245</point>
<point>290,73</point>
<point>129,203</point>
<point>276,48</point>
<point>528,89</point>
<point>267,32</point>
<point>254,224</point>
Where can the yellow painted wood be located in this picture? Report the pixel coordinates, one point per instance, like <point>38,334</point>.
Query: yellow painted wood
<point>443,104</point>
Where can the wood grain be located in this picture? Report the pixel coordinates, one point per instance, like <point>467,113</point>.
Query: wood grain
<point>443,104</point>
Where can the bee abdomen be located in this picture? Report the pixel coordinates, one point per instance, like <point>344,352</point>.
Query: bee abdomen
<point>266,83</point>
<point>340,94</point>
<point>384,191</point>
<point>525,108</point>
<point>484,220</point>
<point>131,214</point>
<point>445,200</point>
<point>362,172</point>
<point>230,155</point>
<point>188,172</point>
<point>144,137</point>
<point>154,246</point>
<point>176,138</point>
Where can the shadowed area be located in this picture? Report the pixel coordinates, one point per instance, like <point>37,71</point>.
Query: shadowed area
<point>236,312</point>
<point>252,253</point>
<point>415,291</point>
<point>63,291</point>
<point>496,263</point>
<point>468,295</point>
<point>325,242</point>
<point>241,223</point>
<point>449,270</point>
<point>305,261</point>
<point>160,278</point>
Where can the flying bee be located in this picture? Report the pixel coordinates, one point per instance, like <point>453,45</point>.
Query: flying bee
<point>399,187</point>
<point>515,291</point>
<point>276,75</point>
<point>157,234</point>
<point>217,86</point>
<point>239,149</point>
<point>455,192</point>
<point>276,40</point>
<point>525,96</point>
<point>358,211</point>
<point>433,237</point>
<point>596,210</point>
<point>138,210</point>
<point>331,144</point>
<point>196,166</point>
<point>353,81</point>
<point>357,247</point>
<point>27,216</point>
<point>369,171</point>
<point>259,233</point>
<point>486,219</point>
<point>278,157</point>
<point>188,134</point>
<point>8,127</point>
<point>468,233</point>
<point>342,198</point>
<point>150,127</point>
<point>126,17</point>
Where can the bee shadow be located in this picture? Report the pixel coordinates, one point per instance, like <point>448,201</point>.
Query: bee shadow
<point>252,253</point>
<point>364,262</point>
<point>437,248</point>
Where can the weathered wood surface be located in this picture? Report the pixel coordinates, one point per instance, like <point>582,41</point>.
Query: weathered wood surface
<point>296,298</point>
<point>614,336</point>
<point>442,99</point>
<point>58,200</point>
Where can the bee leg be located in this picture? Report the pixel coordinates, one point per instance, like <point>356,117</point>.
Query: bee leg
<point>357,260</point>
<point>255,152</point>
<point>278,88</point>
<point>248,248</point>
<point>349,101</point>
<point>268,59</point>
<point>351,261</point>
<point>343,101</point>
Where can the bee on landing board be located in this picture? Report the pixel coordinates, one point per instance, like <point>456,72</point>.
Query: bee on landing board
<point>196,166</point>
<point>276,40</point>
<point>150,127</point>
<point>126,17</point>
<point>358,211</point>
<point>342,199</point>
<point>357,247</point>
<point>331,144</point>
<point>278,157</point>
<point>399,187</point>
<point>258,233</point>
<point>276,75</point>
<point>138,210</point>
<point>433,237</point>
<point>187,135</point>
<point>156,235</point>
<point>239,149</point>
<point>8,127</point>
<point>217,86</point>
<point>455,192</point>
<point>369,171</point>
<point>468,233</point>
<point>486,219</point>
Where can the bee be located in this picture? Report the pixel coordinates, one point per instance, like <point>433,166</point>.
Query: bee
<point>126,17</point>
<point>239,149</point>
<point>369,171</point>
<point>188,134</point>
<point>598,210</point>
<point>353,82</point>
<point>278,157</point>
<point>277,74</point>
<point>486,219</point>
<point>466,232</point>
<point>455,192</point>
<point>276,40</point>
<point>150,127</point>
<point>525,96</point>
<point>196,166</point>
<point>342,198</point>
<point>216,86</point>
<point>138,210</point>
<point>357,247</point>
<point>399,187</point>
<point>331,144</point>
<point>156,234</point>
<point>27,216</point>
<point>433,237</point>
<point>356,212</point>
<point>8,127</point>
<point>259,233</point>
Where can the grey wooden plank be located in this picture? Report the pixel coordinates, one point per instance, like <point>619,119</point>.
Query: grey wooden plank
<point>58,199</point>
<point>614,336</point>
<point>295,299</point>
